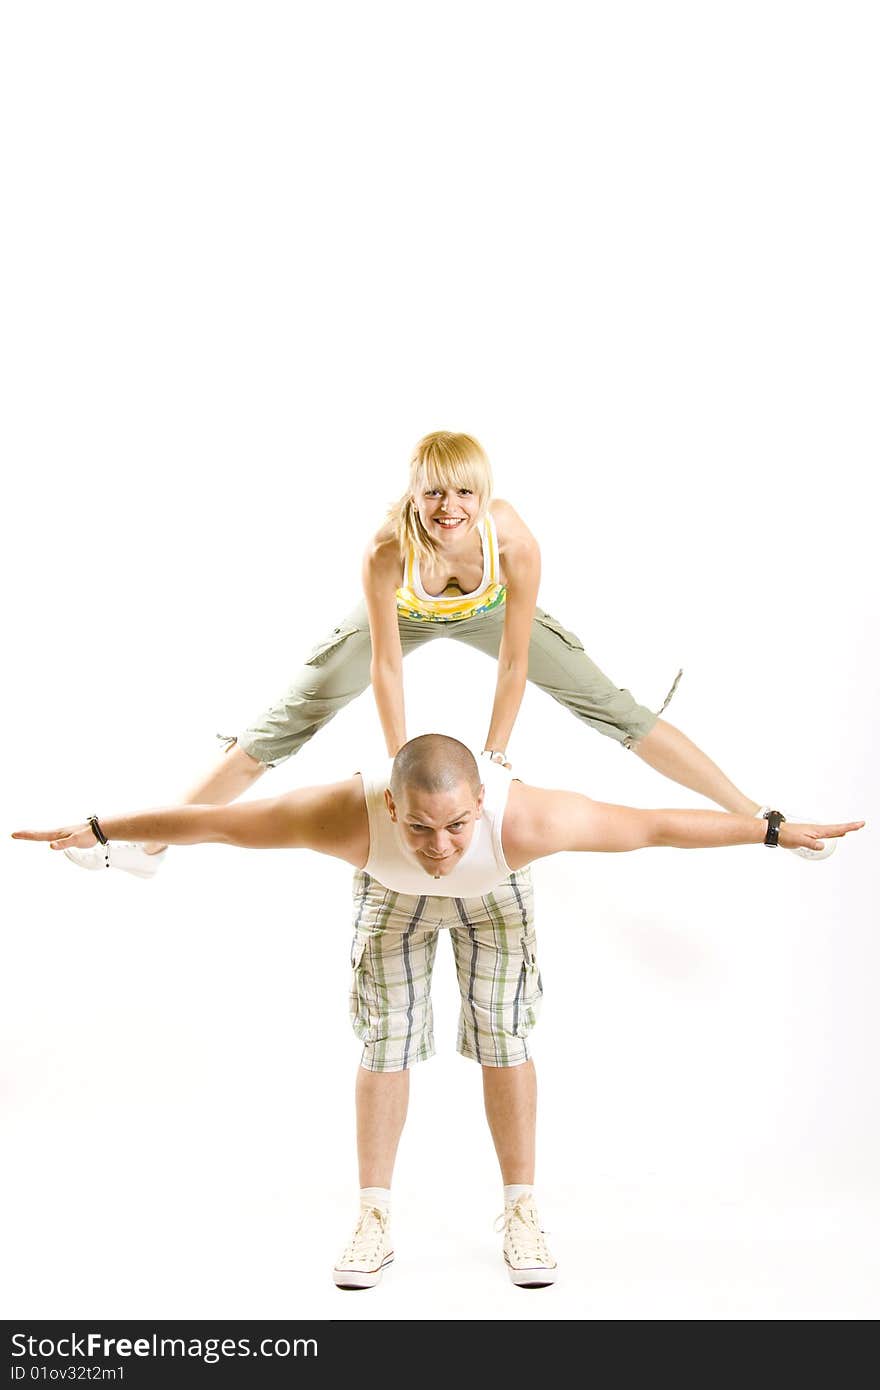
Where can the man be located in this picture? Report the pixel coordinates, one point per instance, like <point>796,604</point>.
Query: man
<point>437,845</point>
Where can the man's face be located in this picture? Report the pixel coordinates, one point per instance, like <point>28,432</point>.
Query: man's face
<point>435,828</point>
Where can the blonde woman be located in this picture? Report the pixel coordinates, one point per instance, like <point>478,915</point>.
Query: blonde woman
<point>450,562</point>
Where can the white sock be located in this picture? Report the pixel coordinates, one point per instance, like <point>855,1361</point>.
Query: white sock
<point>514,1190</point>
<point>376,1197</point>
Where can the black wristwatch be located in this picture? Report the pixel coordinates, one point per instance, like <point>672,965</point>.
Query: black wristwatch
<point>96,830</point>
<point>774,819</point>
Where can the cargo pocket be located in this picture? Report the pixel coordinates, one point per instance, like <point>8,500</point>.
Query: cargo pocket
<point>324,650</point>
<point>561,632</point>
<point>531,988</point>
<point>362,1008</point>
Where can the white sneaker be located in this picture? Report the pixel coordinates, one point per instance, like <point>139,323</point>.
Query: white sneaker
<point>368,1252</point>
<point>118,854</point>
<point>529,1262</point>
<point>830,845</point>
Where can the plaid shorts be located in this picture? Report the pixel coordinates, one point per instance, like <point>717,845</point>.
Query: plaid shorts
<point>395,941</point>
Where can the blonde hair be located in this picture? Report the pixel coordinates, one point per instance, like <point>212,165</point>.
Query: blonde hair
<point>442,460</point>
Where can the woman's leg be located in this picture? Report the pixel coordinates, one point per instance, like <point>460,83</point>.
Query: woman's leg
<point>235,772</point>
<point>337,670</point>
<point>671,753</point>
<point>559,665</point>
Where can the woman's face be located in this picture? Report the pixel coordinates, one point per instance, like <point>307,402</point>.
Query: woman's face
<point>447,513</point>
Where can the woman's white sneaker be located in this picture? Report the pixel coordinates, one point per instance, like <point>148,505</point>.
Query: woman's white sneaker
<point>118,854</point>
<point>368,1252</point>
<point>529,1262</point>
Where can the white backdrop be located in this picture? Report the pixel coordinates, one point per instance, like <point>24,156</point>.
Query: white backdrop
<point>252,253</point>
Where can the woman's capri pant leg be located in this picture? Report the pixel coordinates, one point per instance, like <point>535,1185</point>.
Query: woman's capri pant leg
<point>336,671</point>
<point>559,665</point>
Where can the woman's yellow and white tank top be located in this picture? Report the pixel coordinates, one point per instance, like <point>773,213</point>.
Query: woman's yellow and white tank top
<point>414,602</point>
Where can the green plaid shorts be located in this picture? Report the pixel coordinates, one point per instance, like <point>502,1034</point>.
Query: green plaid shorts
<point>395,942</point>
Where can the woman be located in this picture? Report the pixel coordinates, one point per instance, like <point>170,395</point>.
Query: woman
<point>449,562</point>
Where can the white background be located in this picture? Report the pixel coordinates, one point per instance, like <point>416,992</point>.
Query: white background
<point>252,253</point>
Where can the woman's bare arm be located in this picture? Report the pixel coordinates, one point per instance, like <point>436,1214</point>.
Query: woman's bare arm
<point>521,559</point>
<point>381,580</point>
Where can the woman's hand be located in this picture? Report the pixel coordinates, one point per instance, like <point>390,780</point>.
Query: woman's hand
<point>494,756</point>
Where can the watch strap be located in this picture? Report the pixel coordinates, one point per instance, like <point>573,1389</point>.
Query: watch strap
<point>96,830</point>
<point>774,819</point>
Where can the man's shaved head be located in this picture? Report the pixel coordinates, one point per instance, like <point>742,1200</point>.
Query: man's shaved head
<point>434,763</point>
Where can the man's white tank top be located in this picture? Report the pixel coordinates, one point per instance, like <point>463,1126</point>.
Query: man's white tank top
<point>481,868</point>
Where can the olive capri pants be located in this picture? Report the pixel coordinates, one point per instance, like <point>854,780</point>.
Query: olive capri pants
<point>339,669</point>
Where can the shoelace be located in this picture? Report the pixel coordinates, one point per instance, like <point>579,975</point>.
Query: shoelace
<point>519,1221</point>
<point>369,1235</point>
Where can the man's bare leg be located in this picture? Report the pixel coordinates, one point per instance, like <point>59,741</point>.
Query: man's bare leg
<point>381,1101</point>
<point>510,1095</point>
<point>671,753</point>
<point>233,774</point>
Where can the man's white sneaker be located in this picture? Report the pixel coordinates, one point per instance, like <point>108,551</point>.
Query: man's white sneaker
<point>118,854</point>
<point>830,845</point>
<point>529,1262</point>
<point>368,1252</point>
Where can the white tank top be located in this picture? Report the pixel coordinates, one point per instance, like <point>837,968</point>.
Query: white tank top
<point>481,868</point>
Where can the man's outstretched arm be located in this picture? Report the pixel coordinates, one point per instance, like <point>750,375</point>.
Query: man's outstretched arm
<point>541,822</point>
<point>331,820</point>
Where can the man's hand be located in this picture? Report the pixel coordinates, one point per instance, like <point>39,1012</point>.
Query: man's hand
<point>68,837</point>
<point>813,836</point>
